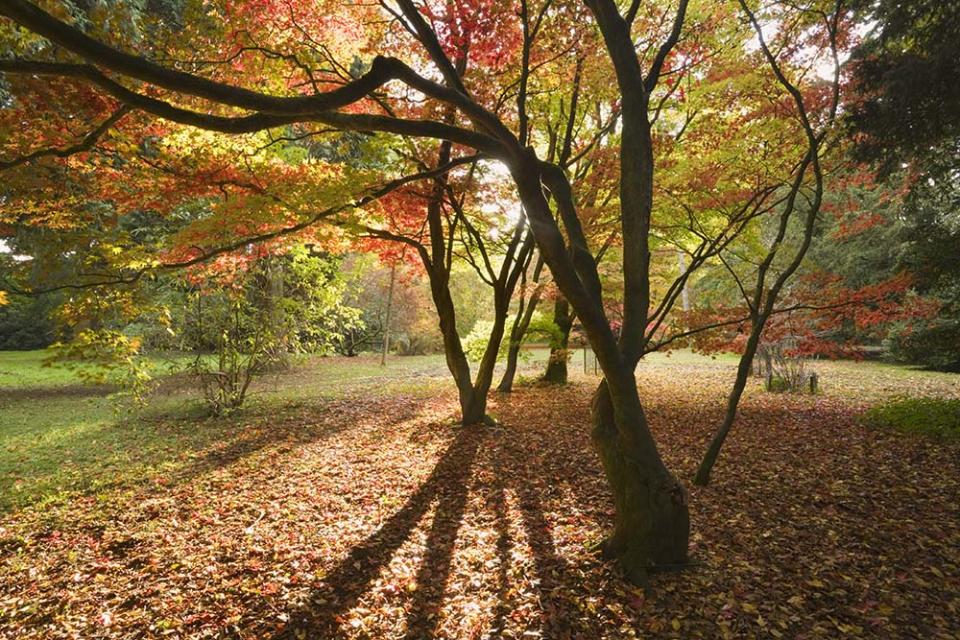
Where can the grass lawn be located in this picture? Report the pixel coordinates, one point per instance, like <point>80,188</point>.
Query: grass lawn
<point>59,436</point>
<point>342,502</point>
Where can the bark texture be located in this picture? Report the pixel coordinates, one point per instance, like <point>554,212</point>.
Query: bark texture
<point>652,525</point>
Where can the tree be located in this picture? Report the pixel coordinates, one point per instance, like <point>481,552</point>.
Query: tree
<point>761,299</point>
<point>652,518</point>
<point>251,321</point>
<point>443,227</point>
<point>885,259</point>
<point>906,73</point>
<point>904,120</point>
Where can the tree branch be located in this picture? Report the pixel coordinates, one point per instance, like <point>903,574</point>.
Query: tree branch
<point>208,255</point>
<point>86,144</point>
<point>653,75</point>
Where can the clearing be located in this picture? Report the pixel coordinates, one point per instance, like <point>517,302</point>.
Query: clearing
<point>344,503</point>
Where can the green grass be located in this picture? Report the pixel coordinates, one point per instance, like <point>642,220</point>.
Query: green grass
<point>61,445</point>
<point>929,416</point>
<point>27,369</point>
<point>59,436</point>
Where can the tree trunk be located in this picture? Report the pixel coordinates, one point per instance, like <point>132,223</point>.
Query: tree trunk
<point>473,395</point>
<point>517,333</point>
<point>652,526</point>
<point>556,372</point>
<point>457,362</point>
<point>386,324</point>
<point>513,356</point>
<point>473,407</point>
<point>733,401</point>
<point>484,380</point>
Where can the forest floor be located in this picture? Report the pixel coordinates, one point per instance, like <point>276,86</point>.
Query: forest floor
<point>344,502</point>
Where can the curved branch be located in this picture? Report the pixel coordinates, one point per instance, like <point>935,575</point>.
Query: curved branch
<point>383,69</point>
<point>72,39</point>
<point>654,74</point>
<point>257,121</point>
<point>86,144</point>
<point>208,255</point>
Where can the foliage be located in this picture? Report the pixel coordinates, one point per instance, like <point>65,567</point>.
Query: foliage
<point>27,322</point>
<point>889,247</point>
<point>904,113</point>
<point>931,416</point>
<point>935,344</point>
<point>246,345</point>
<point>252,322</point>
<point>101,356</point>
<point>541,329</point>
<point>475,343</point>
<point>931,242</point>
<point>906,98</point>
<point>413,325</point>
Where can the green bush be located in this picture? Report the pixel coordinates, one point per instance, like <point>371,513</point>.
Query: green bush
<point>778,384</point>
<point>932,416</point>
<point>540,328</point>
<point>935,344</point>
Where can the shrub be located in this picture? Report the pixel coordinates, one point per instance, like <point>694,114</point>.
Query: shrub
<point>776,384</point>
<point>931,416</point>
<point>785,370</point>
<point>935,344</point>
<point>540,328</point>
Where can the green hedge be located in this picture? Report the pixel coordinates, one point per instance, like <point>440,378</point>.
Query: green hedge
<point>932,416</point>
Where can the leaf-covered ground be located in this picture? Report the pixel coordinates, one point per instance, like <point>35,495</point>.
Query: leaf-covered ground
<point>373,517</point>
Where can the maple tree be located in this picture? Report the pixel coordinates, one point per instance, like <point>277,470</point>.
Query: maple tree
<point>761,298</point>
<point>461,111</point>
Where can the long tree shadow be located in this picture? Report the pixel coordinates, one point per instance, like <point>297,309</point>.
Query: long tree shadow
<point>506,456</point>
<point>504,546</point>
<point>221,447</point>
<point>293,433</point>
<point>553,572</point>
<point>558,580</point>
<point>345,583</point>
